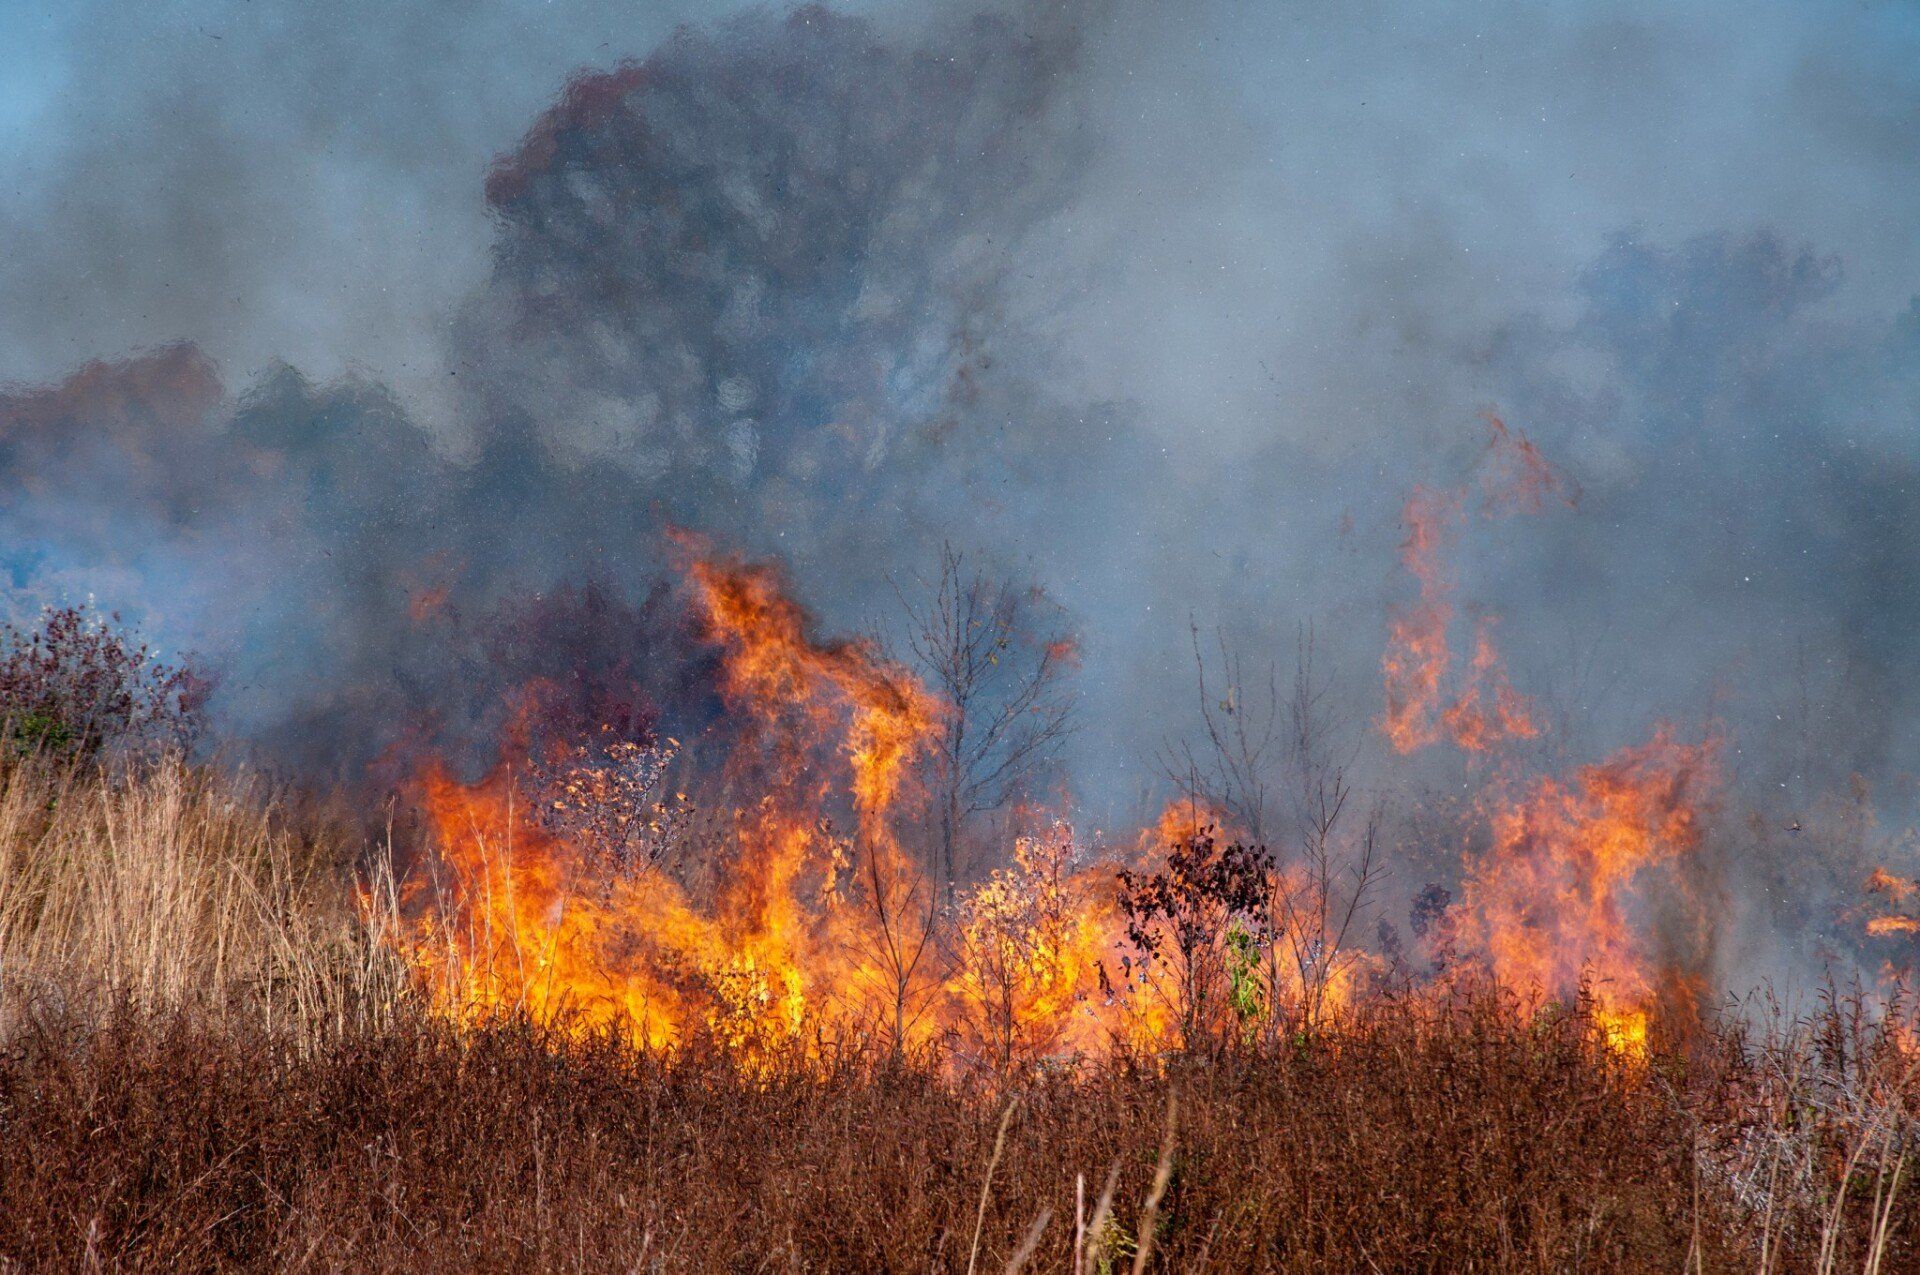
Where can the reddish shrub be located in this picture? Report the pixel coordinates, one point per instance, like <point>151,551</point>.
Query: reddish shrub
<point>79,685</point>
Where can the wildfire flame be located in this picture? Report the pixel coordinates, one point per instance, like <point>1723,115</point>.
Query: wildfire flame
<point>1489,711</point>
<point>808,930</point>
<point>536,931</point>
<point>1551,900</point>
<point>1513,477</point>
<point>1415,663</point>
<point>1898,891</point>
<point>1516,478</point>
<point>816,922</point>
<point>1551,904</point>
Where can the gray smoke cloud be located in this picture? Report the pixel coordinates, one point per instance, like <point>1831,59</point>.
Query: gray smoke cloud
<point>1165,307</point>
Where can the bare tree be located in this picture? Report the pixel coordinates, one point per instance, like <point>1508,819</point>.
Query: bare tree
<point>898,946</point>
<point>999,655</point>
<point>1256,751</point>
<point>1326,889</point>
<point>1229,770</point>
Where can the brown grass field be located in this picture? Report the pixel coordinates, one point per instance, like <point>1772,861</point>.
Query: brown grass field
<point>212,1059</point>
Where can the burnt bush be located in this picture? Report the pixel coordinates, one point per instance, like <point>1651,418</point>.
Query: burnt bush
<point>1190,923</point>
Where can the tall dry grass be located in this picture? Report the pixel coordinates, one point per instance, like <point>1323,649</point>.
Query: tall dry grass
<point>211,1057</point>
<point>1412,1144</point>
<point>181,890</point>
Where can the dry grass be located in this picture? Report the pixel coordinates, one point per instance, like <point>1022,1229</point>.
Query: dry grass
<point>1421,1137</point>
<point>175,889</point>
<point>209,1060</point>
<point>161,1146</point>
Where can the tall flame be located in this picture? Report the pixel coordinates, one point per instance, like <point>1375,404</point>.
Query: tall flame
<point>1551,902</point>
<point>1513,478</point>
<point>533,929</point>
<point>1415,663</point>
<point>808,931</point>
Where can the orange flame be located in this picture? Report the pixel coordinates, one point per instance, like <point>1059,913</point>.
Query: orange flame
<point>1516,478</point>
<point>810,933</point>
<point>772,665</point>
<point>532,930</point>
<point>1489,711</point>
<point>1415,663</point>
<point>1030,943</point>
<point>1513,478</point>
<point>1551,902</point>
<point>1898,890</point>
<point>523,933</point>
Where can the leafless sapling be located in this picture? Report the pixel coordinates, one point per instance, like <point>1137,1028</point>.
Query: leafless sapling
<point>998,653</point>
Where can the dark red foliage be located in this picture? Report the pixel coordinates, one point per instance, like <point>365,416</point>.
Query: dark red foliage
<point>80,685</point>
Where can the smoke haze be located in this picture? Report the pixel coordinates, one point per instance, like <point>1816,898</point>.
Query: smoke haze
<point>336,333</point>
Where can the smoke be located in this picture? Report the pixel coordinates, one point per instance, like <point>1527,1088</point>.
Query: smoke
<point>763,276</point>
<point>753,283</point>
<point>1164,307</point>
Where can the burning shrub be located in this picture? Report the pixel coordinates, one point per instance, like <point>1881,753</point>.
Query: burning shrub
<point>1195,926</point>
<point>609,800</point>
<point>1027,949</point>
<point>76,685</point>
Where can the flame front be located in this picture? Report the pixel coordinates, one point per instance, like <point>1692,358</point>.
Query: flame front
<point>816,924</point>
<point>809,931</point>
<point>1550,902</point>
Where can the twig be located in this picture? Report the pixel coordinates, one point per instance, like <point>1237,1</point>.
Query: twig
<point>986,1184</point>
<point>1143,1242</point>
